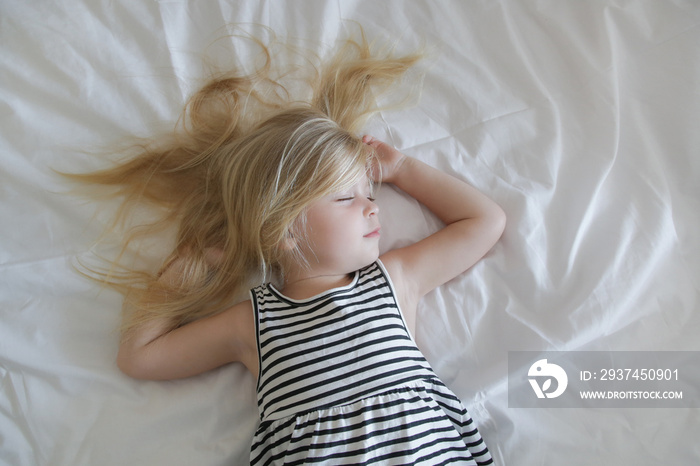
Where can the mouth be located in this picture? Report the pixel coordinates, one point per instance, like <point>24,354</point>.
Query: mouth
<point>373,234</point>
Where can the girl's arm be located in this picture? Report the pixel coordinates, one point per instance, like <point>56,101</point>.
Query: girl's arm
<point>473,224</point>
<point>155,352</point>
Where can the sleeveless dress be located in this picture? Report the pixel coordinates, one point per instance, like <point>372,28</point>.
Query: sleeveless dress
<point>342,382</point>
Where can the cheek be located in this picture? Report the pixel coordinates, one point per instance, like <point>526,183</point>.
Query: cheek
<point>332,230</point>
<point>320,227</point>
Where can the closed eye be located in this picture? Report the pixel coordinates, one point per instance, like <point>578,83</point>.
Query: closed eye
<point>347,199</point>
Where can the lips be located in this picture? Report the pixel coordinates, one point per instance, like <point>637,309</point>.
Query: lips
<point>373,234</point>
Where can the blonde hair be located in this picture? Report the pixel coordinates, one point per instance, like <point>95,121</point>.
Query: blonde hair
<point>244,163</point>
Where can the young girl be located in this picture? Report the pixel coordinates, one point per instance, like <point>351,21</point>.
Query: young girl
<point>262,186</point>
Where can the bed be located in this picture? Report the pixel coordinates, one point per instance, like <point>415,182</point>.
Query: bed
<point>579,118</point>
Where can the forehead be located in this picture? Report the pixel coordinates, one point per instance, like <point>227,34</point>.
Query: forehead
<point>362,185</point>
<point>362,182</point>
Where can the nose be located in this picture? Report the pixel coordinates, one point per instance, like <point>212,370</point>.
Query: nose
<point>371,208</point>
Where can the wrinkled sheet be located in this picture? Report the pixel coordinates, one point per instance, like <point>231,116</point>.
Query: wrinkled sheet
<point>580,118</point>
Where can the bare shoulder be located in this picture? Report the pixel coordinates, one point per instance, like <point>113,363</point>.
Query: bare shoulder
<point>406,293</point>
<point>241,312</point>
<point>240,322</point>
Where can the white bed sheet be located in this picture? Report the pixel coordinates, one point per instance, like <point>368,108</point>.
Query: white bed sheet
<point>579,117</point>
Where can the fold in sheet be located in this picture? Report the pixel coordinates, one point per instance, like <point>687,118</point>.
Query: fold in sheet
<point>579,118</point>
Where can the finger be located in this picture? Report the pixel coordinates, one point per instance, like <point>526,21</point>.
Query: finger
<point>371,140</point>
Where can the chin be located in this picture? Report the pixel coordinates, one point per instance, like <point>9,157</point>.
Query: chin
<point>361,262</point>
<point>369,260</point>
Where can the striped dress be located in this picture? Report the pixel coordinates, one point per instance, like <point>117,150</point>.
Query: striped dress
<point>342,382</point>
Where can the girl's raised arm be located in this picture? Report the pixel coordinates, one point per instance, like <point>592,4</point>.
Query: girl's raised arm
<point>473,224</point>
<point>156,352</point>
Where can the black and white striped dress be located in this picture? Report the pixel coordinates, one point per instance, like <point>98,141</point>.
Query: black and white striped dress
<point>342,382</point>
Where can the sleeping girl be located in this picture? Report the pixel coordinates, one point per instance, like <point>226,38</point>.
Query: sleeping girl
<point>276,195</point>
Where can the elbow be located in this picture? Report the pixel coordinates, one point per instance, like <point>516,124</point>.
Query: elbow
<point>126,365</point>
<point>493,224</point>
<point>498,221</point>
<point>130,364</point>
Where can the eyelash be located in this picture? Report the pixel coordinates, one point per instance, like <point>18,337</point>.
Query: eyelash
<point>371,199</point>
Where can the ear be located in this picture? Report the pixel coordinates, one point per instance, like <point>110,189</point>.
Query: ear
<point>213,256</point>
<point>289,243</point>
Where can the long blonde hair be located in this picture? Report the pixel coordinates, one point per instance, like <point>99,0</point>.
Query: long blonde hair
<point>239,171</point>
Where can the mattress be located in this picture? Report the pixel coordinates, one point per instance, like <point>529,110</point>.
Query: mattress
<point>579,118</point>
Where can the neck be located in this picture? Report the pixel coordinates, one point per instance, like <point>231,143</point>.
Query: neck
<point>307,284</point>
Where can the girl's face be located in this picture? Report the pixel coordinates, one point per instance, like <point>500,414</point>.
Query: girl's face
<point>342,231</point>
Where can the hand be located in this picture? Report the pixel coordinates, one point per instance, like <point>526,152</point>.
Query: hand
<point>389,159</point>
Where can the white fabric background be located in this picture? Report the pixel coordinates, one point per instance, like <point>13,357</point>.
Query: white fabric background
<point>579,118</point>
